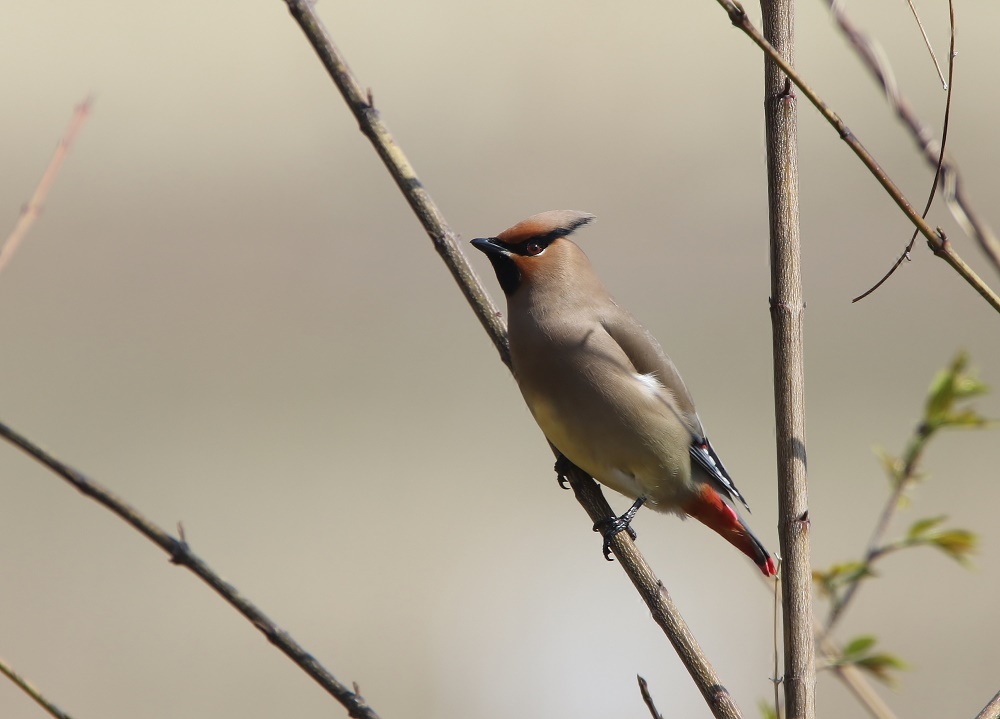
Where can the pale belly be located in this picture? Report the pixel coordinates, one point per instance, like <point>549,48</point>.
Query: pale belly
<point>631,456</point>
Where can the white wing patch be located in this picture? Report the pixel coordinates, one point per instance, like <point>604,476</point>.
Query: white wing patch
<point>650,384</point>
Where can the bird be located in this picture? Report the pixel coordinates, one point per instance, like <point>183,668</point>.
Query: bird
<point>601,388</point>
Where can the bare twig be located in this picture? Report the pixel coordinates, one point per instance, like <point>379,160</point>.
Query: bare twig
<point>647,698</point>
<point>936,240</point>
<point>29,689</point>
<point>950,177</point>
<point>587,491</point>
<point>991,710</point>
<point>180,553</point>
<point>940,163</point>
<point>927,42</point>
<point>370,123</point>
<point>31,211</point>
<point>776,677</point>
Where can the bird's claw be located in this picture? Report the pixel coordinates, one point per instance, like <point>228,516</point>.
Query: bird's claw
<point>562,469</point>
<point>609,528</point>
<point>613,525</point>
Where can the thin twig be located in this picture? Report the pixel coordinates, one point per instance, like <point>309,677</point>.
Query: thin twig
<point>940,163</point>
<point>776,618</point>
<point>647,698</point>
<point>29,689</point>
<point>907,476</point>
<point>787,309</point>
<point>31,211</point>
<point>864,48</point>
<point>950,178</point>
<point>927,42</point>
<point>180,553</point>
<point>445,240</point>
<point>938,243</point>
<point>587,491</point>
<point>991,710</point>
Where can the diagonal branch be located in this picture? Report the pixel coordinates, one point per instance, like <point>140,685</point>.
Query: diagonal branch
<point>180,553</point>
<point>945,124</point>
<point>991,710</point>
<point>33,209</point>
<point>587,491</point>
<point>939,244</point>
<point>932,150</point>
<point>29,689</point>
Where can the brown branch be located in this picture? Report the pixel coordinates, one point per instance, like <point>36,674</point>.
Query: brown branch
<point>933,152</point>
<point>936,240</point>
<point>444,239</point>
<point>29,689</point>
<point>927,43</point>
<point>647,698</point>
<point>587,491</point>
<point>949,84</point>
<point>31,211</point>
<point>180,553</point>
<point>991,710</point>
<point>787,308</point>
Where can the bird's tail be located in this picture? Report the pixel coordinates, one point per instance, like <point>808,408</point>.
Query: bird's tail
<point>709,509</point>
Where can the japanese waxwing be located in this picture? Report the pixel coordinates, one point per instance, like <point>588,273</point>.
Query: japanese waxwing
<point>601,388</point>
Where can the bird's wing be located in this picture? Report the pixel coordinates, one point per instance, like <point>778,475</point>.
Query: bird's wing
<point>648,358</point>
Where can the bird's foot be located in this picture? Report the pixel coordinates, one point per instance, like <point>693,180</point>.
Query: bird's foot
<point>613,525</point>
<point>563,466</point>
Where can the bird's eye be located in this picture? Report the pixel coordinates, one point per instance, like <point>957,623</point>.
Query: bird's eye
<point>533,248</point>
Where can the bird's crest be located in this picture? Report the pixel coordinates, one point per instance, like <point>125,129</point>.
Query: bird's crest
<point>546,225</point>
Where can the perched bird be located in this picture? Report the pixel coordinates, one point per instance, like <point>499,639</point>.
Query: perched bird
<point>601,388</point>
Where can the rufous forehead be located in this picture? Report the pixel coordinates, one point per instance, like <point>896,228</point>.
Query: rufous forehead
<point>554,222</point>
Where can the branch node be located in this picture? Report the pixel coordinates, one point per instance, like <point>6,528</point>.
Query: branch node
<point>180,551</point>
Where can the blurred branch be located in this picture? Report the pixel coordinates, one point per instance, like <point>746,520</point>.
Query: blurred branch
<point>949,84</point>
<point>932,150</point>
<point>991,710</point>
<point>787,307</point>
<point>29,689</point>
<point>942,410</point>
<point>31,211</point>
<point>180,553</point>
<point>587,492</point>
<point>856,683</point>
<point>936,240</point>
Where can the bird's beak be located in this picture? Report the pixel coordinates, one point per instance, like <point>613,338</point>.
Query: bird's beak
<point>490,246</point>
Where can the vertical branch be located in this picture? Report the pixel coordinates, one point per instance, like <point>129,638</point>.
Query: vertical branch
<point>787,308</point>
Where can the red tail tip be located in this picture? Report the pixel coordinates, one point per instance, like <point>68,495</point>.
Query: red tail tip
<point>769,568</point>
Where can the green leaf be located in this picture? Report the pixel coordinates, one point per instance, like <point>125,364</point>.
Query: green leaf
<point>919,528</point>
<point>858,653</point>
<point>879,666</point>
<point>840,575</point>
<point>766,710</point>
<point>892,465</point>
<point>950,386</point>
<point>956,543</point>
<point>858,646</point>
<point>967,418</point>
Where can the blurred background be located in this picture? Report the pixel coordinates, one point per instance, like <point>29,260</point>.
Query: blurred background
<point>228,315</point>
